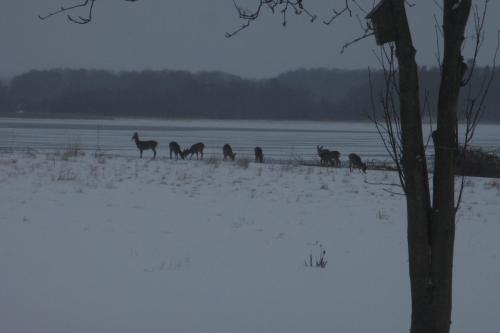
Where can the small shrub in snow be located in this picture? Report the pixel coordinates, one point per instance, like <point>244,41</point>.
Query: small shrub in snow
<point>319,261</point>
<point>493,184</point>
<point>213,161</point>
<point>30,153</point>
<point>296,159</point>
<point>243,163</point>
<point>286,167</point>
<point>478,163</point>
<point>94,171</point>
<point>9,161</point>
<point>382,215</point>
<point>469,183</point>
<point>72,150</point>
<point>66,174</point>
<point>182,176</point>
<point>100,157</point>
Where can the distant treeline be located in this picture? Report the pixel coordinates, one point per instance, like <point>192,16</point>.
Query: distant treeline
<point>314,94</point>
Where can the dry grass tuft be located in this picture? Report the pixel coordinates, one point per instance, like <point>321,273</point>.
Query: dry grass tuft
<point>493,184</point>
<point>72,150</point>
<point>213,161</point>
<point>382,215</point>
<point>66,174</point>
<point>243,163</point>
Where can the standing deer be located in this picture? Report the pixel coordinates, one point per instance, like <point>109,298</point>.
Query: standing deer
<point>259,156</point>
<point>227,151</point>
<point>145,145</point>
<point>356,163</point>
<point>197,148</point>
<point>328,157</point>
<point>176,149</point>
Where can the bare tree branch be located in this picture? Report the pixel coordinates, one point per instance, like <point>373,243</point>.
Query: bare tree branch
<point>388,127</point>
<point>439,32</point>
<point>79,19</point>
<point>284,7</point>
<point>474,107</point>
<point>427,107</point>
<point>340,12</point>
<point>479,20</point>
<point>355,40</point>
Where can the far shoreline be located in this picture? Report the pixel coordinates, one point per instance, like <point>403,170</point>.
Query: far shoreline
<point>60,116</point>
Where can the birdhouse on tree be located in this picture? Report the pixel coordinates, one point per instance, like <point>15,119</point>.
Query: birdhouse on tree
<point>382,22</point>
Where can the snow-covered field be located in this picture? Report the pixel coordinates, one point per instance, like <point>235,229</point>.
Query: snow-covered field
<point>116,244</point>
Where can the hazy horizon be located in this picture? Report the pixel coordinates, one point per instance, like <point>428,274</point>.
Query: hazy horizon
<point>186,70</point>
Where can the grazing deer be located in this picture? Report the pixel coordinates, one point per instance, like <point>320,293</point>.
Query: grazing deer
<point>259,156</point>
<point>227,151</point>
<point>355,162</point>
<point>176,149</point>
<point>145,145</point>
<point>328,157</point>
<point>197,148</point>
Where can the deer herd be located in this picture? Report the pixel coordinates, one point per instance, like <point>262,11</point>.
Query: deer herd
<point>327,157</point>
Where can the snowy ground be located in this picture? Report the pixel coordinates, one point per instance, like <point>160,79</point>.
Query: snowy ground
<point>118,244</point>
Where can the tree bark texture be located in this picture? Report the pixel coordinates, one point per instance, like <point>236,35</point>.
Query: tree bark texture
<point>415,171</point>
<point>431,228</point>
<point>455,17</point>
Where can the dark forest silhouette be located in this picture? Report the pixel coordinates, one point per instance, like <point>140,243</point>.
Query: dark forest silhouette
<point>315,94</point>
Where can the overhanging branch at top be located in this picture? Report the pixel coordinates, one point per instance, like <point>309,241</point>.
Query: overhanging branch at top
<point>282,6</point>
<point>88,4</point>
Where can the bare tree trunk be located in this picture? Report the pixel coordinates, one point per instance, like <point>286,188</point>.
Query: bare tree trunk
<point>431,231</point>
<point>416,176</point>
<point>455,17</point>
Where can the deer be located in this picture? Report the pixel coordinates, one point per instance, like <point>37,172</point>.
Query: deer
<point>145,145</point>
<point>176,149</point>
<point>331,157</point>
<point>259,156</point>
<point>356,163</point>
<point>227,151</point>
<point>197,148</point>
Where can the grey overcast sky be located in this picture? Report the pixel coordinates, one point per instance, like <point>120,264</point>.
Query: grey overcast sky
<point>189,35</point>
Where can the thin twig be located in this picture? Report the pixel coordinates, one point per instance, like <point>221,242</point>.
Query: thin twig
<point>284,7</point>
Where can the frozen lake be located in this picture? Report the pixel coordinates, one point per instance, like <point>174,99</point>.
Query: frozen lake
<point>281,140</point>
